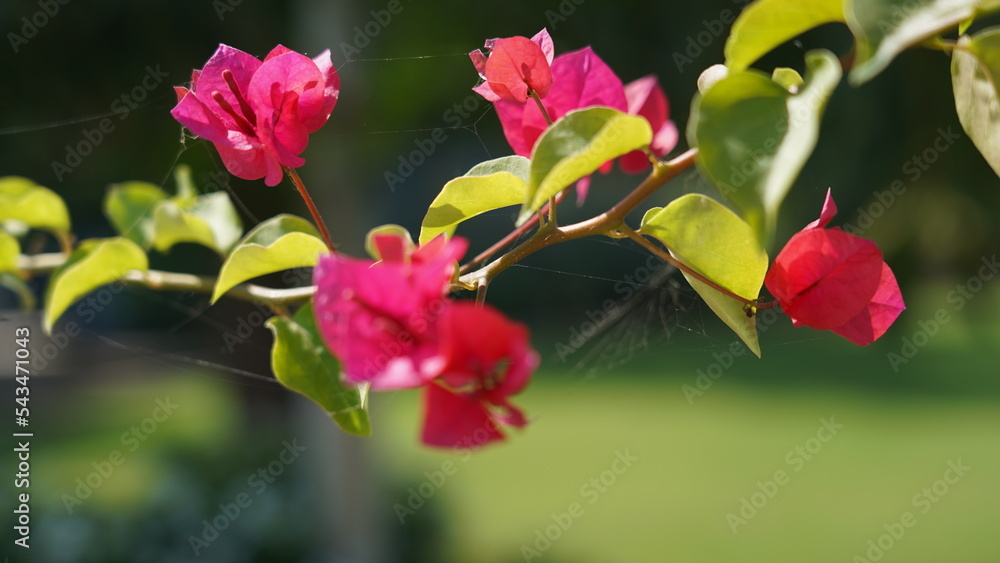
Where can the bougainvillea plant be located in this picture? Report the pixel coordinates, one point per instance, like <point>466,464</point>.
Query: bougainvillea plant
<point>414,314</point>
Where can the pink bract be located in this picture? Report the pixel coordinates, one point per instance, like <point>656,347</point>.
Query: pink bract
<point>380,318</point>
<point>831,280</point>
<point>259,114</point>
<point>485,358</point>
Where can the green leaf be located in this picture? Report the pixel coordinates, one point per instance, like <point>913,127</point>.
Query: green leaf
<point>19,288</point>
<point>386,230</point>
<point>754,136</point>
<point>211,220</point>
<point>487,186</point>
<point>302,363</point>
<point>975,78</point>
<point>577,145</point>
<point>94,263</point>
<point>715,242</point>
<point>129,207</point>
<point>280,243</point>
<point>884,28</point>
<point>766,24</point>
<point>788,78</point>
<point>9,252</point>
<point>38,207</point>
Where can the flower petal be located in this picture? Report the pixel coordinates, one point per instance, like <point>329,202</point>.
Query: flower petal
<point>827,214</point>
<point>824,277</point>
<point>517,65</point>
<point>453,420</point>
<point>869,325</point>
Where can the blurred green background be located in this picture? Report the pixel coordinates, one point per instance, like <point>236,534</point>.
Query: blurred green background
<point>658,384</point>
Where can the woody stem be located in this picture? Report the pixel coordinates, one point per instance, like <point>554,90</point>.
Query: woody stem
<point>294,176</point>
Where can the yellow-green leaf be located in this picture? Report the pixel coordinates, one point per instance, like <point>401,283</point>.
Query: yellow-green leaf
<point>302,363</point>
<point>487,186</point>
<point>884,28</point>
<point>754,136</point>
<point>575,146</point>
<point>9,252</point>
<point>766,24</point>
<point>975,77</point>
<point>715,242</point>
<point>94,263</point>
<point>280,243</point>
<point>129,207</point>
<point>17,286</point>
<point>25,201</point>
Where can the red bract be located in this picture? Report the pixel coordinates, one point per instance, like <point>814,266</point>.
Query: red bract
<point>380,318</point>
<point>259,114</point>
<point>515,66</point>
<point>646,98</point>
<point>830,280</point>
<point>485,358</point>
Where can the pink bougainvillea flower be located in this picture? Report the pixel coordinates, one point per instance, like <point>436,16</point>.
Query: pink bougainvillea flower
<point>580,79</point>
<point>831,280</point>
<point>484,359</point>
<point>515,66</point>
<point>259,114</point>
<point>646,98</point>
<point>380,318</point>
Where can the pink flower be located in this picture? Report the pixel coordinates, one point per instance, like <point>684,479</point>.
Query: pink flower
<point>646,98</point>
<point>515,66</point>
<point>484,359</point>
<point>259,114</point>
<point>380,318</point>
<point>830,280</point>
<point>579,79</point>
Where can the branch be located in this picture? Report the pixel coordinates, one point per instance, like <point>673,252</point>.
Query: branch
<point>172,281</point>
<point>605,223</point>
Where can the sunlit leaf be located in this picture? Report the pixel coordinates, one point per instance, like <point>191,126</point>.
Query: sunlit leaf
<point>754,136</point>
<point>766,24</point>
<point>94,263</point>
<point>396,231</point>
<point>715,242</point>
<point>975,77</point>
<point>577,145</point>
<point>280,243</point>
<point>884,28</point>
<point>487,186</point>
<point>210,221</point>
<point>9,251</point>
<point>302,363</point>
<point>129,208</point>
<point>35,206</point>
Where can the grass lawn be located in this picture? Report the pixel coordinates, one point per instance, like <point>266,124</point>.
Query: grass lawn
<point>697,462</point>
